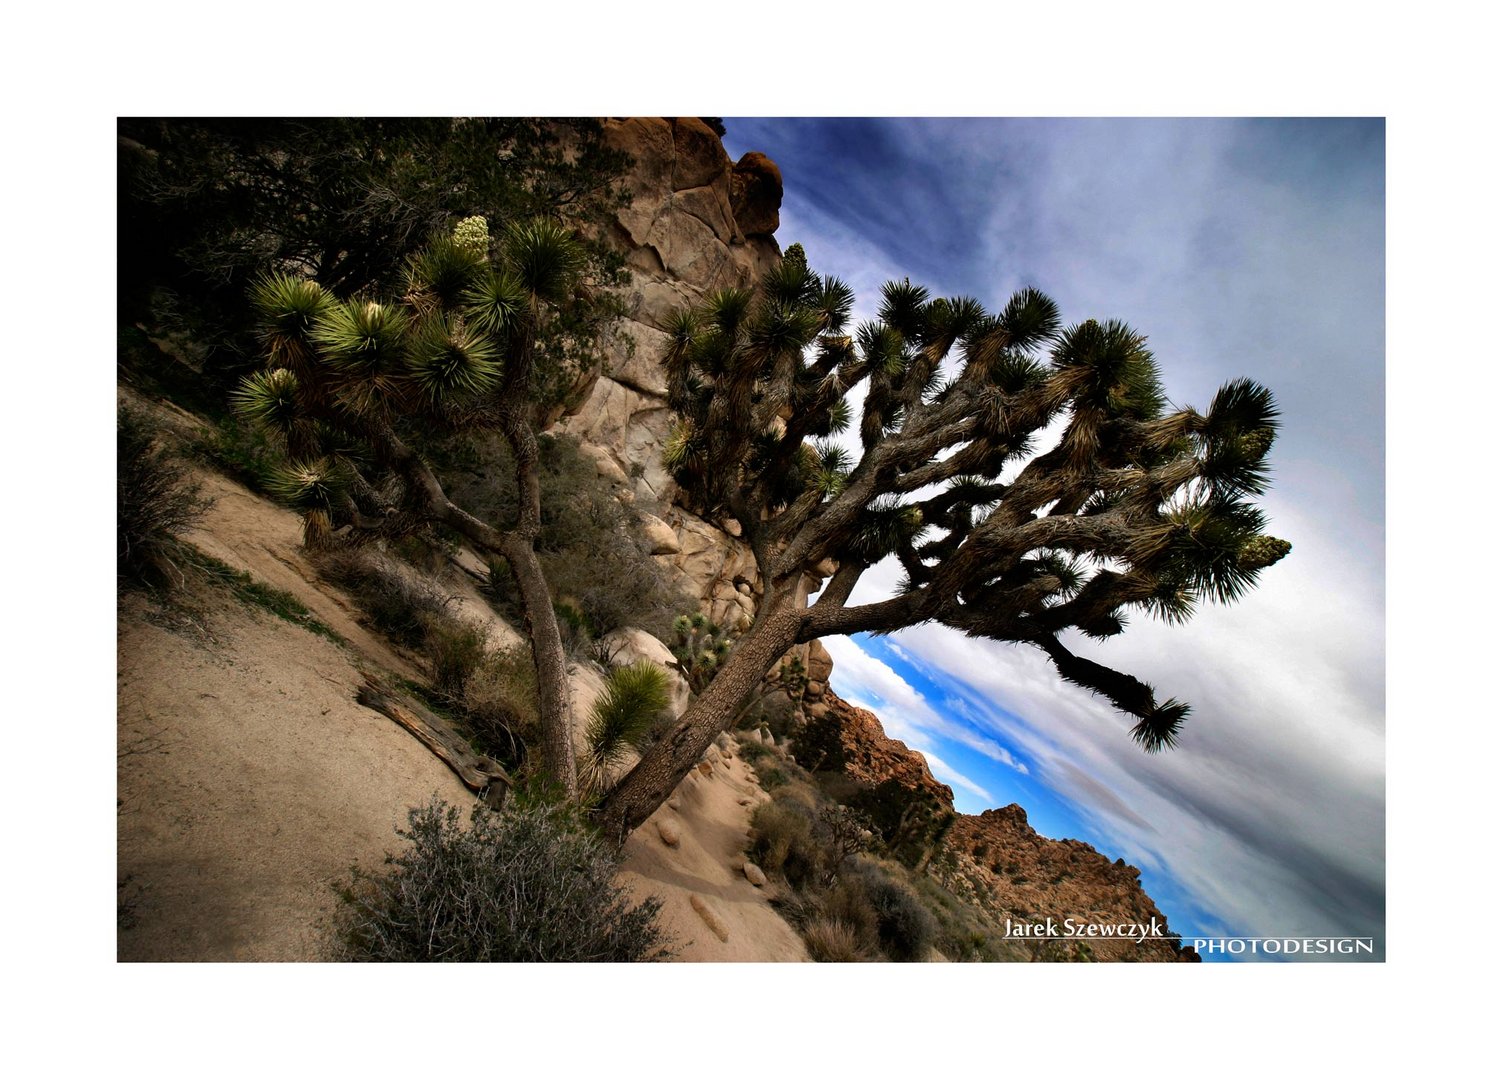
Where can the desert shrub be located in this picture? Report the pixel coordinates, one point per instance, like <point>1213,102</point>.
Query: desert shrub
<point>773,769</point>
<point>154,503</point>
<point>905,928</point>
<point>590,545</point>
<point>795,834</point>
<point>817,745</point>
<point>574,629</point>
<point>772,777</point>
<point>500,703</point>
<point>400,605</point>
<point>526,883</point>
<point>911,823</point>
<point>634,698</point>
<point>831,941</point>
<point>848,903</point>
<point>962,931</point>
<point>456,649</point>
<point>784,841</point>
<point>753,751</point>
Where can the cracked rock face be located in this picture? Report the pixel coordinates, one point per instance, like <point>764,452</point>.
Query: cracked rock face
<point>694,223</point>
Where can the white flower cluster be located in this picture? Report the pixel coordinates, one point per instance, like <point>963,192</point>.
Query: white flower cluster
<point>473,233</point>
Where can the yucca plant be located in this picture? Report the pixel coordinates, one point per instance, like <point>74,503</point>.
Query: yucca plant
<point>349,379</point>
<point>633,699</point>
<point>1137,505</point>
<point>699,647</point>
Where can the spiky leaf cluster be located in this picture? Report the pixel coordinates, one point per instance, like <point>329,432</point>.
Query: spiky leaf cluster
<point>466,335</point>
<point>1137,506</point>
<point>699,647</point>
<point>634,697</point>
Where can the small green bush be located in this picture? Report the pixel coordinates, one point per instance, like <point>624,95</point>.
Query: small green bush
<point>817,746</point>
<point>529,882</point>
<point>456,649</point>
<point>848,903</point>
<point>905,928</point>
<point>500,704</point>
<point>794,835</point>
<point>911,824</point>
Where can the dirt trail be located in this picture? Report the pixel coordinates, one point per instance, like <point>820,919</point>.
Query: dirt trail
<point>711,812</point>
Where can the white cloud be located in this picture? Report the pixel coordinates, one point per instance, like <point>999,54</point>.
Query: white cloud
<point>1240,248</point>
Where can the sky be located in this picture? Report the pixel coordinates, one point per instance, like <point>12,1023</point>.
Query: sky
<point>1241,248</point>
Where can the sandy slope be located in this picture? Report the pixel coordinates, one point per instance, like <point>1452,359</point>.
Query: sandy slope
<point>251,779</point>
<point>260,783</point>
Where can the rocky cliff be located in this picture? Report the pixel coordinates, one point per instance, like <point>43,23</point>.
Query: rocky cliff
<point>694,222</point>
<point>997,860</point>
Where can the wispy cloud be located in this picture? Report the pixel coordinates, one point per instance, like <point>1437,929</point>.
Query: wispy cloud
<point>1241,248</point>
<point>906,714</point>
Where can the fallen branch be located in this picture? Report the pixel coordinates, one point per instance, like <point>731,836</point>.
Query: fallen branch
<point>477,771</point>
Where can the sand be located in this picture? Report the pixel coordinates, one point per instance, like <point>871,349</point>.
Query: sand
<point>250,780</point>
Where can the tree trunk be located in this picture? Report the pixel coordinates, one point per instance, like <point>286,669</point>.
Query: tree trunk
<point>517,546</point>
<point>548,661</point>
<point>669,760</point>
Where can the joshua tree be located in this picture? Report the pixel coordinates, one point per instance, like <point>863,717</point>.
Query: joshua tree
<point>486,335</point>
<point>1138,506</point>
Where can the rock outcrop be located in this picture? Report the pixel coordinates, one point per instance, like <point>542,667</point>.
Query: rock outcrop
<point>694,222</point>
<point>1022,876</point>
<point>997,860</point>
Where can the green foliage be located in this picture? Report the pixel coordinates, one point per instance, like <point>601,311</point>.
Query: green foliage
<point>633,699</point>
<point>500,704</point>
<point>1133,507</point>
<point>240,450</point>
<point>257,594</point>
<point>699,647</point>
<point>449,360</point>
<point>288,308</point>
<point>590,546</point>
<point>268,399</point>
<point>526,883</point>
<point>456,649</point>
<point>544,258</point>
<point>207,203</point>
<point>910,823</point>
<point>785,841</point>
<point>307,485</point>
<point>817,746</point>
<point>154,502</point>
<point>574,627</point>
<point>904,926</point>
